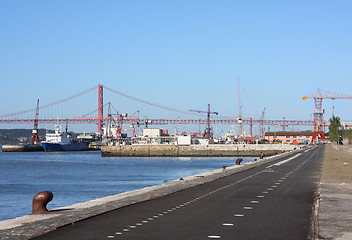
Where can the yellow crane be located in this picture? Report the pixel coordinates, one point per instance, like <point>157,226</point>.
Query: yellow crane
<point>318,97</point>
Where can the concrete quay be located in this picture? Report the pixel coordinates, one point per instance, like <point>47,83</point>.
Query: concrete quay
<point>216,150</point>
<point>22,148</point>
<point>34,225</point>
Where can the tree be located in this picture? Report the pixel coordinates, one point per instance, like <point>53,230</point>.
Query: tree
<point>335,124</point>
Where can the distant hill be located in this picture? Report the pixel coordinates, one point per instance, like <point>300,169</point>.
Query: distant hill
<point>22,136</point>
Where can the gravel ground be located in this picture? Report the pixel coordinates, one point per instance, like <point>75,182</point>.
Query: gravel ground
<point>335,205</point>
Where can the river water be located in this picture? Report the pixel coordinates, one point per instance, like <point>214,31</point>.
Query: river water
<point>75,177</point>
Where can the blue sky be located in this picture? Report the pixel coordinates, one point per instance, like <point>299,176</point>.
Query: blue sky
<point>182,54</point>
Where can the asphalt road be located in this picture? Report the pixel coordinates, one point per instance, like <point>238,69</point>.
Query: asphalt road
<point>273,201</point>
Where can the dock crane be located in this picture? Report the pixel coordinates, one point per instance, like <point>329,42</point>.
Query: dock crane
<point>318,97</point>
<point>207,135</point>
<point>35,138</point>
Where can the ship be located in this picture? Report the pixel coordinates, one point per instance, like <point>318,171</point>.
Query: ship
<point>62,141</point>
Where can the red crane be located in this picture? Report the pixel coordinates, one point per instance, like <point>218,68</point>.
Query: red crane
<point>35,138</point>
<point>207,135</point>
<point>318,97</point>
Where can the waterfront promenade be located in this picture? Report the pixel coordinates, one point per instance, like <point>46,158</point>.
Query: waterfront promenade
<point>273,199</point>
<point>335,205</point>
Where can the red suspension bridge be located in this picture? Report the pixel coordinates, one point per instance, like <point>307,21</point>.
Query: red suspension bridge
<point>99,119</point>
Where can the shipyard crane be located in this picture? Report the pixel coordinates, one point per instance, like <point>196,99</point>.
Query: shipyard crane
<point>240,127</point>
<point>207,135</point>
<point>318,97</point>
<point>35,138</point>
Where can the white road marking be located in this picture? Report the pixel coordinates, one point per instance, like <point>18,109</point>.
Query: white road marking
<point>247,208</point>
<point>254,201</point>
<point>260,196</point>
<point>227,224</point>
<point>151,219</point>
<point>269,189</point>
<point>239,215</point>
<point>284,161</point>
<point>118,233</point>
<point>265,192</point>
<point>139,224</point>
<point>111,236</point>
<point>274,186</point>
<point>214,237</point>
<point>132,226</point>
<point>277,183</point>
<point>145,221</point>
<point>125,230</point>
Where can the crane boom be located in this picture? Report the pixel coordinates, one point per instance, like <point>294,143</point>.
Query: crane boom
<point>324,94</point>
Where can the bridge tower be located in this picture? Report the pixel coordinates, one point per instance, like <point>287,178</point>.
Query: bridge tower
<point>100,108</point>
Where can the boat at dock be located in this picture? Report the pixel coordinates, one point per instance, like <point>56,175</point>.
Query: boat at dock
<point>62,141</point>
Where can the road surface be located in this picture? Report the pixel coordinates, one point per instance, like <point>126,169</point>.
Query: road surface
<point>272,201</point>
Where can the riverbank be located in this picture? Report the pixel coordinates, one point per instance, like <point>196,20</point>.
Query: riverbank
<point>215,150</point>
<point>29,226</point>
<point>335,201</point>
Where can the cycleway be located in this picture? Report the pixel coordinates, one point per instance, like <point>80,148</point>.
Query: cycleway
<point>272,201</point>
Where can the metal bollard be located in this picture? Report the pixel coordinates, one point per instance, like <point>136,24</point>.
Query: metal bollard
<point>40,201</point>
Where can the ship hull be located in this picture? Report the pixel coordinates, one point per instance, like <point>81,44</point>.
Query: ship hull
<point>56,147</point>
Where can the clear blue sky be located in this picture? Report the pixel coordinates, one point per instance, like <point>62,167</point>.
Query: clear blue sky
<point>182,54</point>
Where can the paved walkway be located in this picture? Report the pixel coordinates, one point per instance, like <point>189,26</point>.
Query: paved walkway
<point>335,205</point>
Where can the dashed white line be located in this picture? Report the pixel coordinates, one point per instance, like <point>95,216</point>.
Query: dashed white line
<point>254,201</point>
<point>239,215</point>
<point>227,224</point>
<point>260,196</point>
<point>217,237</point>
<point>247,208</point>
<point>118,233</point>
<point>265,192</point>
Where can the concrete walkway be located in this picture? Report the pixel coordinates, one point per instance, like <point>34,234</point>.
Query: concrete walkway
<point>335,205</point>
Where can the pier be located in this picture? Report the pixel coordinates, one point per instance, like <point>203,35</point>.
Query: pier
<point>212,150</point>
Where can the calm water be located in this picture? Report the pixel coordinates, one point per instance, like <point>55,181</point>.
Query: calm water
<point>81,176</point>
